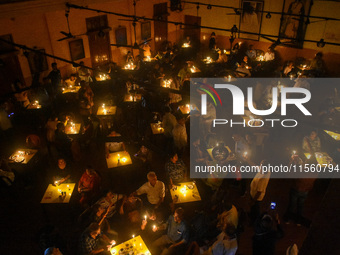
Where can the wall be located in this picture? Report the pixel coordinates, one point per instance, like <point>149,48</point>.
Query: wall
<point>37,23</point>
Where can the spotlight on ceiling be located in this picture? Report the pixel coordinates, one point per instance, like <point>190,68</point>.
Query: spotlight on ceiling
<point>321,43</point>
<point>209,7</point>
<point>268,16</point>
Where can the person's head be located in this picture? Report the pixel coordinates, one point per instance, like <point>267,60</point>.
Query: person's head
<point>52,251</point>
<point>94,229</point>
<point>60,127</point>
<point>109,195</point>
<point>54,66</point>
<point>174,157</point>
<point>318,55</point>
<point>245,59</point>
<point>81,63</point>
<point>242,64</point>
<point>313,135</point>
<point>266,222</point>
<point>213,34</point>
<point>179,215</point>
<point>270,49</point>
<point>290,64</point>
<point>73,77</point>
<point>61,163</point>
<point>152,178</point>
<point>90,171</point>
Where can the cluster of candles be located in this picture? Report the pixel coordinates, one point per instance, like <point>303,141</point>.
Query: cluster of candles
<point>103,77</point>
<point>148,59</point>
<point>128,246</point>
<point>73,127</point>
<point>186,45</point>
<point>123,159</point>
<point>167,83</point>
<point>129,66</point>
<point>36,104</point>
<point>208,60</point>
<point>61,191</point>
<point>193,69</point>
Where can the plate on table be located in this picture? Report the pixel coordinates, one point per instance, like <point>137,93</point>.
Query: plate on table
<point>190,186</point>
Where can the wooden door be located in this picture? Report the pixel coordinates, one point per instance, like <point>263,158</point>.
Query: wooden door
<point>99,43</point>
<point>193,32</point>
<point>160,12</point>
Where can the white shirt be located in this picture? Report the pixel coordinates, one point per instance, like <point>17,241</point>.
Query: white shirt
<point>180,136</point>
<point>224,246</point>
<point>259,184</point>
<point>169,122</point>
<point>268,56</point>
<point>154,193</point>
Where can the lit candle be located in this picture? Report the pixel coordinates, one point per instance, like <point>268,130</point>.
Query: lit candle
<point>133,236</point>
<point>154,228</point>
<point>245,153</point>
<point>145,217</point>
<point>229,78</point>
<point>294,152</point>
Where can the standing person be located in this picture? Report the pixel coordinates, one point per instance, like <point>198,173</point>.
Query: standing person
<point>55,78</point>
<point>258,188</point>
<point>177,234</point>
<point>212,41</point>
<point>267,232</point>
<point>180,136</point>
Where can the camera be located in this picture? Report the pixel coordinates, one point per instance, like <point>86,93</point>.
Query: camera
<point>272,205</point>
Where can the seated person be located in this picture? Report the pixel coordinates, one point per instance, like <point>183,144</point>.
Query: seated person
<point>226,243</point>
<point>84,73</point>
<point>88,185</point>
<point>62,173</point>
<point>177,234</point>
<point>131,207</point>
<point>111,147</point>
<point>72,81</point>
<point>311,143</point>
<point>144,154</point>
<point>154,190</point>
<point>52,251</point>
<point>242,71</point>
<point>109,202</point>
<point>229,217</point>
<point>62,140</point>
<point>6,173</point>
<point>288,68</point>
<point>175,170</point>
<point>251,53</point>
<point>269,55</point>
<point>92,241</point>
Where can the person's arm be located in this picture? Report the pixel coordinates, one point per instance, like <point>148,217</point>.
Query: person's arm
<point>64,179</point>
<point>121,209</point>
<point>97,251</point>
<point>161,197</point>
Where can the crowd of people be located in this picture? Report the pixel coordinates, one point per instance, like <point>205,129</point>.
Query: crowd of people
<point>107,212</point>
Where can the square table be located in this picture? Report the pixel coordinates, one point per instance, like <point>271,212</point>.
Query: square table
<point>53,194</point>
<point>72,128</point>
<point>211,149</point>
<point>132,98</point>
<point>73,89</point>
<point>22,156</point>
<point>119,158</point>
<point>186,192</point>
<point>335,136</point>
<point>106,110</point>
<point>321,157</point>
<point>157,128</point>
<point>135,245</point>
